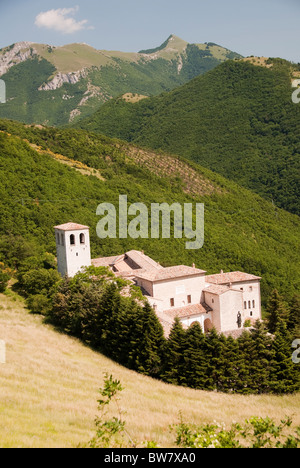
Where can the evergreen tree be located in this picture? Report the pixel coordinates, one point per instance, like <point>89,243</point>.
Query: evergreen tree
<point>214,352</point>
<point>195,369</point>
<point>285,374</point>
<point>260,359</point>
<point>173,360</point>
<point>243,383</point>
<point>231,362</point>
<point>276,310</point>
<point>293,322</point>
<point>146,342</point>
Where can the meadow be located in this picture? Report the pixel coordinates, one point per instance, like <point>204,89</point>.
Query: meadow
<point>49,387</point>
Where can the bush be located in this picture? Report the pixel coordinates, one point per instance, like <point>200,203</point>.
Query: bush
<point>38,304</point>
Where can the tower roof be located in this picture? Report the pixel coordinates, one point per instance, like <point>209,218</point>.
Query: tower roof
<point>71,227</point>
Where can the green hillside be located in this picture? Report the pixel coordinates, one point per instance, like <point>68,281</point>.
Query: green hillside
<point>57,85</point>
<point>238,120</point>
<point>242,231</point>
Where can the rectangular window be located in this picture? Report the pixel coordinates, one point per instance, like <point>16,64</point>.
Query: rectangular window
<point>249,304</point>
<point>189,299</point>
<point>253,304</point>
<point>172,302</point>
<point>245,305</point>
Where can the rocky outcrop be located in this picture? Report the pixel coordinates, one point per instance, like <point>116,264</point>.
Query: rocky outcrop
<point>17,53</point>
<point>61,78</point>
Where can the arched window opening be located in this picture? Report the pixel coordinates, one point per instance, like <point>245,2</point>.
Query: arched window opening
<point>62,239</point>
<point>72,239</point>
<point>82,239</point>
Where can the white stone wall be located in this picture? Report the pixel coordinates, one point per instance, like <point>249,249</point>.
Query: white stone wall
<point>179,289</point>
<point>71,258</point>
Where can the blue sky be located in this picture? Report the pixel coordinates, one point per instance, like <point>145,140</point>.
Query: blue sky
<point>256,27</point>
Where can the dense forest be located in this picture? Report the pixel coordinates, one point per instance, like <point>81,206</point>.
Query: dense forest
<point>237,120</point>
<point>242,231</point>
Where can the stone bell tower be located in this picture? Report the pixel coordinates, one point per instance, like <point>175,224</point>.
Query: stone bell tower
<point>73,248</point>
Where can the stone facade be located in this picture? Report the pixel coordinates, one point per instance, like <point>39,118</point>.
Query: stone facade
<point>224,300</point>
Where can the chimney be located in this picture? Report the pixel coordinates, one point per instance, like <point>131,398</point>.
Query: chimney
<point>221,272</point>
<point>194,266</point>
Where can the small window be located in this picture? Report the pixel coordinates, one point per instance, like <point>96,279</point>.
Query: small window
<point>62,239</point>
<point>72,239</point>
<point>212,301</point>
<point>245,305</point>
<point>249,304</point>
<point>82,239</point>
<point>58,238</point>
<point>251,314</point>
<point>242,289</point>
<point>189,299</point>
<point>253,304</point>
<point>172,302</point>
<point>251,288</point>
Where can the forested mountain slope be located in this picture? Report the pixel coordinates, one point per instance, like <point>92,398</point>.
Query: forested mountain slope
<point>238,120</point>
<point>242,230</point>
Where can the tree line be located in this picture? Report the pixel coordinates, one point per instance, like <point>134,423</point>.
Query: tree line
<point>111,315</point>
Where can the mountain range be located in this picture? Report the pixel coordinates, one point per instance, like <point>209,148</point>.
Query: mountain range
<point>57,85</point>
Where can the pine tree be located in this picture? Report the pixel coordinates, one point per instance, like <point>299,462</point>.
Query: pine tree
<point>214,346</point>
<point>260,359</point>
<point>276,309</point>
<point>195,369</point>
<point>293,322</point>
<point>243,384</point>
<point>230,357</point>
<point>146,342</point>
<point>173,358</point>
<point>284,376</point>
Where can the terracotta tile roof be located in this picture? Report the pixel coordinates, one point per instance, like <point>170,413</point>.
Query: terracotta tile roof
<point>188,311</point>
<point>71,227</point>
<point>178,271</point>
<point>218,289</point>
<point>231,277</point>
<point>104,261</point>
<point>142,260</point>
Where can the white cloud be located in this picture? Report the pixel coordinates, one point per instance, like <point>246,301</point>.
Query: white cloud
<point>61,20</point>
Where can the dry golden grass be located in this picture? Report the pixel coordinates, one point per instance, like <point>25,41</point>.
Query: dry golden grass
<point>133,97</point>
<point>49,390</point>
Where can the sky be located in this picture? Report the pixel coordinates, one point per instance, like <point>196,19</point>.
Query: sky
<point>258,27</point>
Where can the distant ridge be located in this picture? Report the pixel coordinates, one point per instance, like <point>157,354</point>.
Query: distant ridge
<point>52,85</point>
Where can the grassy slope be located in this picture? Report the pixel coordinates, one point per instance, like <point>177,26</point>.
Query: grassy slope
<point>49,390</point>
<point>238,120</point>
<point>242,231</point>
